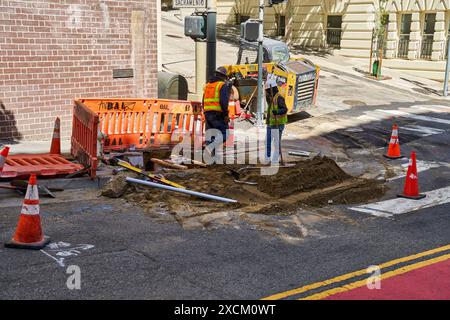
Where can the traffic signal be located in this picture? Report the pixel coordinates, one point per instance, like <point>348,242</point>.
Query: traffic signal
<point>195,26</point>
<point>250,30</point>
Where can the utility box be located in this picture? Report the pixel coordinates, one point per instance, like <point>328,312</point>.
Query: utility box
<point>195,26</point>
<point>250,30</point>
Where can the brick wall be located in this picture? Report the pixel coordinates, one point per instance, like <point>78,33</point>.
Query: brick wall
<point>53,51</point>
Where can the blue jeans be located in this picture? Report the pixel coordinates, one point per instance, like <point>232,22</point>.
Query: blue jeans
<point>276,141</point>
<point>216,120</point>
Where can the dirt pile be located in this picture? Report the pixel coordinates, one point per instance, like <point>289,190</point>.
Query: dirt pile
<point>314,182</point>
<point>316,173</point>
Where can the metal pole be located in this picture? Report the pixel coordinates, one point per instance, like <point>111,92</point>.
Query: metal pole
<point>193,193</point>
<point>260,110</point>
<point>447,67</point>
<point>200,68</point>
<point>211,38</point>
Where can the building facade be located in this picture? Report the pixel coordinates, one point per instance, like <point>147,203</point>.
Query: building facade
<point>54,51</point>
<point>415,40</point>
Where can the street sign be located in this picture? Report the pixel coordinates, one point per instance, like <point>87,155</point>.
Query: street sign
<point>189,3</point>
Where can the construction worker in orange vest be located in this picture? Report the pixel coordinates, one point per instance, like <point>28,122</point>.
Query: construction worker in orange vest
<point>215,103</point>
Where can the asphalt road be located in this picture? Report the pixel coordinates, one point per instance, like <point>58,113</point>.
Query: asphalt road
<point>124,253</point>
<point>134,256</point>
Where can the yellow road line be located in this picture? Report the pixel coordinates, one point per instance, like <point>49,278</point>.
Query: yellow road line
<point>360,283</point>
<point>350,275</point>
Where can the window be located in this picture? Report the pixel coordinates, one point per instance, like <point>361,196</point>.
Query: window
<point>280,54</point>
<point>426,47</point>
<point>334,29</point>
<point>405,30</point>
<point>281,25</point>
<point>406,23</point>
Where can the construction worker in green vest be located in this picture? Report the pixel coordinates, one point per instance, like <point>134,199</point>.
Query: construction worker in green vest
<point>276,119</point>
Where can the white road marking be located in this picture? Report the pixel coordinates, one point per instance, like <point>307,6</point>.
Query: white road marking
<point>414,116</point>
<point>396,206</point>
<point>65,249</point>
<point>434,108</point>
<point>421,166</point>
<point>426,131</point>
<point>59,261</point>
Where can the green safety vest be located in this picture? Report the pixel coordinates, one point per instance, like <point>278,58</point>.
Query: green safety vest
<point>276,120</point>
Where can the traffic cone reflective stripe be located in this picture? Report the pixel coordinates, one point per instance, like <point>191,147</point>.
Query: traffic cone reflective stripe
<point>411,189</point>
<point>55,147</point>
<point>3,156</point>
<point>29,233</point>
<point>394,145</point>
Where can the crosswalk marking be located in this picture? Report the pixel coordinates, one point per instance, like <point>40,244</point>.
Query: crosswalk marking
<point>434,108</point>
<point>414,116</point>
<point>422,165</point>
<point>425,131</point>
<point>389,208</point>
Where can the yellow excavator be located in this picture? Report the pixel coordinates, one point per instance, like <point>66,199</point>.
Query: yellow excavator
<point>297,78</point>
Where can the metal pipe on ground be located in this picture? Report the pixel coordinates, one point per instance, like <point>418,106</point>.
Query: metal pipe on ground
<point>192,193</point>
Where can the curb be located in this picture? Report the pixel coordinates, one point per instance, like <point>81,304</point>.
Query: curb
<point>380,84</point>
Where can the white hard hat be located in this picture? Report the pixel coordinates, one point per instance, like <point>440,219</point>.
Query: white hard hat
<point>271,81</point>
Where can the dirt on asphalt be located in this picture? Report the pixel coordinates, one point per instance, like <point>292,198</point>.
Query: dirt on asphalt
<point>313,182</point>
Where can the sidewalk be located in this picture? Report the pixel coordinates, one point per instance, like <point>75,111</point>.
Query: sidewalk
<point>34,147</point>
<point>359,67</point>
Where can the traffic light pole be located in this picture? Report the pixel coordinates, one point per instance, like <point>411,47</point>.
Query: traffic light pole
<point>447,67</point>
<point>260,110</point>
<point>211,38</point>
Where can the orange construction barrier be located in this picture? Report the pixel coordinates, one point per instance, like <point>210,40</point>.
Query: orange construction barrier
<point>23,165</point>
<point>122,124</point>
<point>411,189</point>
<point>170,121</point>
<point>3,156</point>
<point>28,233</point>
<point>55,147</point>
<point>394,145</point>
<point>48,164</point>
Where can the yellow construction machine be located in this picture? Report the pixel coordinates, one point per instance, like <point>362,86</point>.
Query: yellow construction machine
<point>297,78</point>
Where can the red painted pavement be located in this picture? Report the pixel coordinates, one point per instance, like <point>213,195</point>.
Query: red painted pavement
<point>428,283</point>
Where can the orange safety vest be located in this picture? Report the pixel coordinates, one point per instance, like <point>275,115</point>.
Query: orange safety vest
<point>211,97</point>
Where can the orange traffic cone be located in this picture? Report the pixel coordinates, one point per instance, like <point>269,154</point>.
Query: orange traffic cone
<point>394,145</point>
<point>56,140</point>
<point>29,232</point>
<point>411,190</point>
<point>3,156</point>
<point>230,133</point>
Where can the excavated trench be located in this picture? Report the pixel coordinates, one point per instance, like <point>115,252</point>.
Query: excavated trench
<point>311,183</point>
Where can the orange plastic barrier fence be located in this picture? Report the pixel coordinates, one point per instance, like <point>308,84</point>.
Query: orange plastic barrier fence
<point>136,123</point>
<point>23,165</point>
<point>84,136</point>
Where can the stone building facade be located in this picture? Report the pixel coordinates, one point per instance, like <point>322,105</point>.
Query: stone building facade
<point>417,31</point>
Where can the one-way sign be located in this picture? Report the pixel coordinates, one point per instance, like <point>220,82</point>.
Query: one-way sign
<point>189,3</point>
